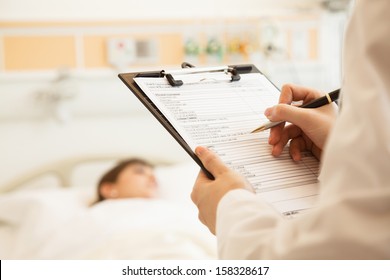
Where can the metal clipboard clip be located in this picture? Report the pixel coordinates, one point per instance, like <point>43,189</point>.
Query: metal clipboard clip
<point>187,68</point>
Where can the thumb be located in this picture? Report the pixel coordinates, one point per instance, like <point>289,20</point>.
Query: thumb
<point>289,113</point>
<point>211,161</point>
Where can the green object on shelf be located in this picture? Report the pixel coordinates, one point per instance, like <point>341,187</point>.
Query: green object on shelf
<point>214,47</point>
<point>191,47</point>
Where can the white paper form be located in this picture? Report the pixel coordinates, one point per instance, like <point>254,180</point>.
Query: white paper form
<point>220,115</point>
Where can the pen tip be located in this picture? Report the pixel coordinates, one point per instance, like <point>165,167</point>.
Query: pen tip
<point>259,129</point>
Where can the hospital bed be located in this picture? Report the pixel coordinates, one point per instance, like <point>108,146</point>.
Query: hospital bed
<point>49,170</point>
<point>49,213</point>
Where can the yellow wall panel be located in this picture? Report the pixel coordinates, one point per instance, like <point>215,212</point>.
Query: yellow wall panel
<point>39,52</point>
<point>95,51</point>
<point>313,43</point>
<point>289,43</point>
<point>171,49</point>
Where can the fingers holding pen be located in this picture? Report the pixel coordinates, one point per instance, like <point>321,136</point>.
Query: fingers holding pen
<point>290,93</point>
<point>308,128</point>
<point>292,114</point>
<point>283,111</point>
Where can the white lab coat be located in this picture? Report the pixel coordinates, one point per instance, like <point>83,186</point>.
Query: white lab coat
<point>352,218</point>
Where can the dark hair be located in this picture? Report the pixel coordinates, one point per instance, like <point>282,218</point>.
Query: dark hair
<point>112,175</point>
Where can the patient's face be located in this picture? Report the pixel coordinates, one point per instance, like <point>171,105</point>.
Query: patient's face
<point>136,181</point>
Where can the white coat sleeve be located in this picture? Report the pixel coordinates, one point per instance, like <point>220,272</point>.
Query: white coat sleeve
<point>352,217</point>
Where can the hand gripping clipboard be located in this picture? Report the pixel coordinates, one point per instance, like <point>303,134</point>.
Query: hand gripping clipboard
<point>128,79</point>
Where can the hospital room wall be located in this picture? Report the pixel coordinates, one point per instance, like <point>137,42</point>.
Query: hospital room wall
<point>90,112</point>
<point>293,47</point>
<point>81,30</point>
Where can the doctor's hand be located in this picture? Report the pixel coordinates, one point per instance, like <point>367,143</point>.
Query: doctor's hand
<point>309,128</point>
<point>207,193</point>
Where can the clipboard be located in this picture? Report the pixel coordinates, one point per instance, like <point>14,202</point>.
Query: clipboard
<point>236,145</point>
<point>128,79</point>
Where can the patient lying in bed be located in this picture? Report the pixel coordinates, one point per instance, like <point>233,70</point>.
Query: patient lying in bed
<point>132,178</point>
<point>130,220</point>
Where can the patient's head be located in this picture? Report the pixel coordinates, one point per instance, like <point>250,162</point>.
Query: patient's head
<point>132,178</point>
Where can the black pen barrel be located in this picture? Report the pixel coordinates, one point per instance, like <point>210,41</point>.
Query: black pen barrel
<point>322,101</point>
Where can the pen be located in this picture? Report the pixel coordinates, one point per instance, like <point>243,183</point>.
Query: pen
<point>324,100</point>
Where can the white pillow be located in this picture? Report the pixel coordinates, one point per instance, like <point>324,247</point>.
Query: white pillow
<point>45,181</point>
<point>89,174</point>
<point>176,181</point>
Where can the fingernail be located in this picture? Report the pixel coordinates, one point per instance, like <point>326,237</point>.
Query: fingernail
<point>268,112</point>
<point>200,150</point>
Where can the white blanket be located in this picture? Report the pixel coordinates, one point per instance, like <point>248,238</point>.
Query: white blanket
<point>58,226</point>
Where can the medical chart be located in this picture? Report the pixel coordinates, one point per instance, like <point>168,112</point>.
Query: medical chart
<point>210,110</point>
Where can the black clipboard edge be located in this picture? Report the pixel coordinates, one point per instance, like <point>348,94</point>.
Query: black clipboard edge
<point>128,80</point>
